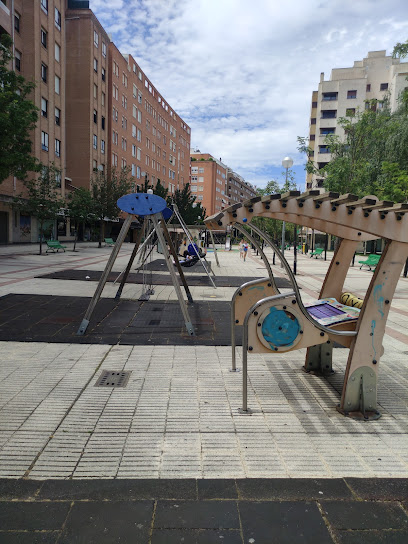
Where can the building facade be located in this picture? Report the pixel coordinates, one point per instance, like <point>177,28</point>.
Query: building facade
<point>38,33</point>
<point>347,91</point>
<point>97,109</point>
<point>215,185</point>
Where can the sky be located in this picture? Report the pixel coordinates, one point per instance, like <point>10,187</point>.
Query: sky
<point>241,73</point>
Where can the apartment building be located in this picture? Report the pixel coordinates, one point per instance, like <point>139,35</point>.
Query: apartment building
<point>347,91</point>
<point>146,134</point>
<point>238,190</point>
<point>38,32</point>
<point>215,185</point>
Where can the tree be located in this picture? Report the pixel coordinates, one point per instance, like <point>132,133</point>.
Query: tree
<point>105,191</point>
<point>271,188</point>
<point>193,213</point>
<point>43,199</point>
<point>18,116</point>
<point>81,208</point>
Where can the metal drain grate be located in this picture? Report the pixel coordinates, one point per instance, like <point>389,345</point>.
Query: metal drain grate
<point>113,378</point>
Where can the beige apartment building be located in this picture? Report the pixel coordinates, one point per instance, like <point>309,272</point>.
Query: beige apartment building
<point>215,185</point>
<point>347,91</point>
<point>38,32</point>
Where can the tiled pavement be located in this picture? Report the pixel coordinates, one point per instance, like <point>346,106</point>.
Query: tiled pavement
<point>178,418</point>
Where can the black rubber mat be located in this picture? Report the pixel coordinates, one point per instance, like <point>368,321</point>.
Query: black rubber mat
<point>160,279</point>
<point>158,265</point>
<point>46,318</point>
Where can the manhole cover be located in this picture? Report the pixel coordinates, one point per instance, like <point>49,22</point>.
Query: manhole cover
<point>113,378</point>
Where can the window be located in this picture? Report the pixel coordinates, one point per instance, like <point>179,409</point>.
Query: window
<point>368,87</point>
<point>103,72</point>
<point>95,90</point>
<point>103,147</point>
<point>351,94</point>
<point>324,149</point>
<point>139,154</point>
<point>44,5</point>
<point>17,60</point>
<point>103,49</point>
<point>139,135</point>
<point>57,116</point>
<point>124,101</point>
<point>123,163</point>
<point>124,144</point>
<point>16,22</point>
<point>329,114</point>
<point>94,165</point>
<point>350,112</point>
<point>44,38</point>
<point>95,116</point>
<point>312,137</point>
<point>58,179</point>
<point>57,52</point>
<point>124,122</point>
<point>327,130</point>
<point>383,86</point>
<point>138,172</point>
<point>329,96</point>
<point>313,121</point>
<point>103,99</point>
<point>44,107</point>
<point>314,104</point>
<point>103,122</point>
<point>134,131</point>
<point>133,150</point>
<point>114,159</point>
<point>57,84</point>
<point>44,71</point>
<point>96,39</point>
<point>95,65</point>
<point>57,148</point>
<point>44,141</point>
<point>57,19</point>
<point>201,179</point>
<point>95,141</point>
<point>124,79</point>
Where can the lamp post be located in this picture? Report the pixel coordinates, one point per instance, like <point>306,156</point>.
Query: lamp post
<point>286,163</point>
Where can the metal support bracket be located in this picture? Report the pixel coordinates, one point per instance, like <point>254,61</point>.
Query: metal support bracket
<point>319,359</point>
<point>360,400</point>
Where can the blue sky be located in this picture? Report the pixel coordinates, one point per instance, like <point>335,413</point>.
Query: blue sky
<point>241,72</point>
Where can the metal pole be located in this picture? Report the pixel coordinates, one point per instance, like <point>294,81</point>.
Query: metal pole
<point>283,241</point>
<point>214,248</point>
<point>122,235</point>
<point>406,269</point>
<point>295,251</point>
<point>326,240</point>
<point>183,306</point>
<point>129,265</point>
<point>176,261</point>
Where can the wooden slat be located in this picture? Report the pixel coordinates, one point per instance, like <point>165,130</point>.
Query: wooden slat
<point>381,205</point>
<point>343,199</point>
<point>269,198</point>
<point>397,208</point>
<point>233,207</point>
<point>330,195</point>
<point>362,203</point>
<point>290,194</point>
<point>308,194</point>
<point>249,203</point>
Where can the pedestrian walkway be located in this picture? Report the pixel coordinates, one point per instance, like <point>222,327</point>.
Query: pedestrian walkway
<point>75,458</point>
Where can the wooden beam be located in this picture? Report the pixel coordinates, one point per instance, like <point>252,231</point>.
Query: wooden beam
<point>330,195</point>
<point>382,205</point>
<point>308,194</point>
<point>362,203</point>
<point>343,199</point>
<point>269,198</point>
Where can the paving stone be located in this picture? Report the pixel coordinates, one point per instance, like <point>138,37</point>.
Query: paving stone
<point>365,515</point>
<point>292,489</point>
<point>18,489</point>
<point>283,523</point>
<point>32,516</point>
<point>197,515</point>
<point>121,489</point>
<point>372,537</point>
<point>217,489</point>
<point>194,536</point>
<point>390,489</point>
<point>29,537</point>
<point>107,522</point>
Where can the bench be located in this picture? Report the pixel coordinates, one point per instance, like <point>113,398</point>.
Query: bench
<point>109,242</point>
<point>371,261</point>
<point>317,253</point>
<point>54,245</point>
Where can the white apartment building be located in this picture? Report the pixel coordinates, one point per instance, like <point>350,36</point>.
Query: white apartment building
<point>349,90</point>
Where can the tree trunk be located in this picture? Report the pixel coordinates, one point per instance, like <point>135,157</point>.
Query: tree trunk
<point>41,235</point>
<point>101,232</point>
<point>76,235</point>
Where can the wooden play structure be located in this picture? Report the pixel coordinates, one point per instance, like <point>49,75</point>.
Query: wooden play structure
<point>279,323</point>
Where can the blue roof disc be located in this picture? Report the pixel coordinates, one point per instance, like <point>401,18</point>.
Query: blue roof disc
<point>141,204</point>
<point>167,213</point>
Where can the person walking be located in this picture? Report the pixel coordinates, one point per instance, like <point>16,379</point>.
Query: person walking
<point>241,248</point>
<point>245,248</point>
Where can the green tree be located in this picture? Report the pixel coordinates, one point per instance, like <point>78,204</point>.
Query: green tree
<point>193,213</point>
<point>81,208</point>
<point>106,190</point>
<point>42,198</point>
<point>271,188</point>
<point>18,116</point>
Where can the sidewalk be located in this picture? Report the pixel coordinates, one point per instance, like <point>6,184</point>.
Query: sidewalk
<point>176,427</point>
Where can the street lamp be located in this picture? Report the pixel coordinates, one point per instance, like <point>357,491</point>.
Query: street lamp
<point>286,163</point>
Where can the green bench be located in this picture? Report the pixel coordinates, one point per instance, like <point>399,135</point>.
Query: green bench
<point>318,252</point>
<point>109,242</point>
<point>54,245</point>
<point>371,261</point>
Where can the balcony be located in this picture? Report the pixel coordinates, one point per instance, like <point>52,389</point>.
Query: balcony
<point>329,96</point>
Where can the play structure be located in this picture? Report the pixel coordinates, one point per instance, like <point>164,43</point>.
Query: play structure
<point>275,322</point>
<point>154,213</point>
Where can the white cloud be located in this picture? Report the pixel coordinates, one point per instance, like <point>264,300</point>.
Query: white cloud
<point>241,73</point>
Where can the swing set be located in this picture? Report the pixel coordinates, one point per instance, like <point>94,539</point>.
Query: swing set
<point>279,323</point>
